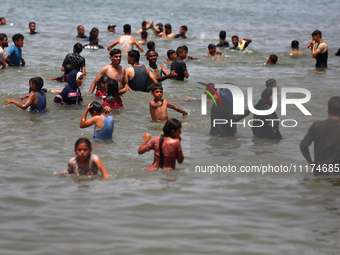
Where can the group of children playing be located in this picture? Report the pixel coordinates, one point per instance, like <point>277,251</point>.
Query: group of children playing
<point>167,146</point>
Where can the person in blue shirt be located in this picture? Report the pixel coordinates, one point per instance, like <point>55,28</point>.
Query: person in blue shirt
<point>14,55</point>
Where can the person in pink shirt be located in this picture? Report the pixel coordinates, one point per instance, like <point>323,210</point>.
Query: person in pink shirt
<point>167,146</point>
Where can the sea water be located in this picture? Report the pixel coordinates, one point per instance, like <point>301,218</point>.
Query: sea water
<point>203,207</point>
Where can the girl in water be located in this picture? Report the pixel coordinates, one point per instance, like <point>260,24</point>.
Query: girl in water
<point>85,163</point>
<point>167,147</point>
<point>112,99</point>
<point>101,90</point>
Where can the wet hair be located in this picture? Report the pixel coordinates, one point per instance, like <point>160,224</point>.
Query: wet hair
<point>68,68</point>
<point>211,46</point>
<point>170,52</point>
<point>112,92</point>
<point>234,36</point>
<point>317,32</point>
<point>167,26</point>
<point>160,27</point>
<point>78,47</point>
<point>127,28</point>
<point>111,26</point>
<point>295,44</point>
<point>94,30</point>
<point>38,82</point>
<point>150,51</point>
<point>186,48</point>
<point>144,34</point>
<point>334,106</point>
<point>156,87</point>
<point>103,79</point>
<point>96,106</point>
<point>93,37</point>
<point>79,27</point>
<point>273,58</point>
<point>184,27</point>
<point>144,23</point>
<point>2,36</point>
<point>170,125</point>
<point>17,37</point>
<point>114,52</point>
<point>83,140</point>
<point>179,50</point>
<point>223,35</point>
<point>150,45</point>
<point>134,54</point>
<point>31,23</point>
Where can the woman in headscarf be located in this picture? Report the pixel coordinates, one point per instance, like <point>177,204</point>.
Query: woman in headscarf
<point>71,94</point>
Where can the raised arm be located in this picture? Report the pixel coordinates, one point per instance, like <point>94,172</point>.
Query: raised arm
<point>142,149</point>
<point>113,44</point>
<point>101,73</point>
<point>86,123</point>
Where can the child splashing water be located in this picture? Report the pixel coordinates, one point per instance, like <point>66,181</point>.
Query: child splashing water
<point>167,147</point>
<point>85,163</point>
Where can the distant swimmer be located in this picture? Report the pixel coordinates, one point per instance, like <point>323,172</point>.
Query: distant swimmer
<point>320,52</point>
<point>81,32</point>
<point>167,146</point>
<point>295,50</point>
<point>126,41</point>
<point>212,52</point>
<point>93,45</point>
<point>157,30</point>
<point>167,31</point>
<point>144,37</point>
<point>31,27</point>
<point>223,42</point>
<point>36,99</point>
<point>326,137</point>
<point>272,59</point>
<point>111,28</point>
<point>2,21</point>
<point>143,28</point>
<point>240,44</point>
<point>182,31</point>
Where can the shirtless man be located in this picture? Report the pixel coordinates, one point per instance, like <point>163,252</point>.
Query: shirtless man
<point>158,106</point>
<point>126,41</point>
<point>138,75</point>
<point>295,50</point>
<point>320,53</point>
<point>114,71</point>
<point>167,31</point>
<point>158,69</point>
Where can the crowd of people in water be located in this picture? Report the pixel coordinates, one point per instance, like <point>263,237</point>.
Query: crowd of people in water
<point>114,80</point>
